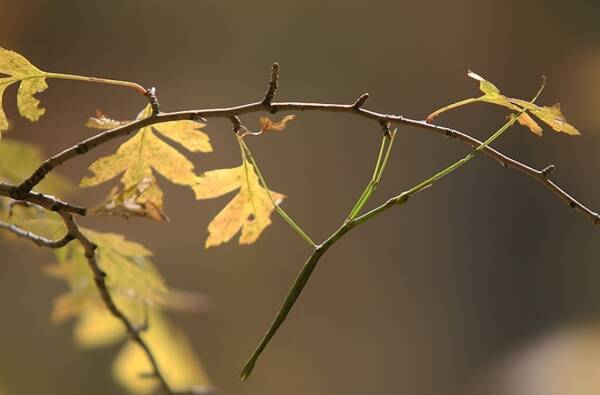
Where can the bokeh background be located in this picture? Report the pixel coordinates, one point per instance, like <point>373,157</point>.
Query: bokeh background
<point>483,284</point>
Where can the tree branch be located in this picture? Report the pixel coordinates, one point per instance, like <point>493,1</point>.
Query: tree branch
<point>36,239</point>
<point>233,112</point>
<point>48,202</point>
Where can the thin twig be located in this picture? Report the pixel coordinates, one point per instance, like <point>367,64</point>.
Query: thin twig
<point>36,239</point>
<point>231,112</point>
<point>271,88</point>
<point>46,201</point>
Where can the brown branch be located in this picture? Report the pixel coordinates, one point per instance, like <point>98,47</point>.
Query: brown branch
<point>153,100</point>
<point>232,112</point>
<point>272,88</point>
<point>36,239</point>
<point>46,201</point>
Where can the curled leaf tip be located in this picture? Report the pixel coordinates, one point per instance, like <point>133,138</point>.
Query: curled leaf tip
<point>266,124</point>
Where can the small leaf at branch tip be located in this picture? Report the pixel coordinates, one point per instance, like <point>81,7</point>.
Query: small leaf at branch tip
<point>552,115</point>
<point>266,124</point>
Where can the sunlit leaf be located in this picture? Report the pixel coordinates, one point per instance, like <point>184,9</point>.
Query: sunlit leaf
<point>140,293</point>
<point>96,327</point>
<point>249,211</point>
<point>138,158</point>
<point>552,116</point>
<point>32,81</point>
<point>176,361</point>
<point>18,160</point>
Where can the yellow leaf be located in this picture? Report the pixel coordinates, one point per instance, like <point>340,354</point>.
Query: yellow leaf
<point>552,116</point>
<point>32,81</point>
<point>18,160</point>
<point>96,327</point>
<point>249,211</point>
<point>138,157</point>
<point>267,124</point>
<point>131,277</point>
<point>139,292</point>
<point>176,361</point>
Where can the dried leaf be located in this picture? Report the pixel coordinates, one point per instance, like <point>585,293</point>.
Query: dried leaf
<point>140,195</point>
<point>32,81</point>
<point>267,124</point>
<point>249,211</point>
<point>142,200</point>
<point>549,115</point>
<point>101,121</point>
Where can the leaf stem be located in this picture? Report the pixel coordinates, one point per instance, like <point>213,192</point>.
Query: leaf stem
<point>127,84</point>
<point>377,174</point>
<point>451,106</point>
<point>246,154</point>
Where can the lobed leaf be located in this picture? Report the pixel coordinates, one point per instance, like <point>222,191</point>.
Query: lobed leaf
<point>32,81</point>
<point>178,364</point>
<point>140,293</point>
<point>248,212</point>
<point>138,158</point>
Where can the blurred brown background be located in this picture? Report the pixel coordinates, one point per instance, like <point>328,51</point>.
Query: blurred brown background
<point>454,293</point>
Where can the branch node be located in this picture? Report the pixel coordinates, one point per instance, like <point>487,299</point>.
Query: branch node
<point>153,100</point>
<point>272,87</point>
<point>548,170</point>
<point>198,117</point>
<point>237,123</point>
<point>385,125</point>
<point>141,328</point>
<point>360,101</point>
<point>596,218</point>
